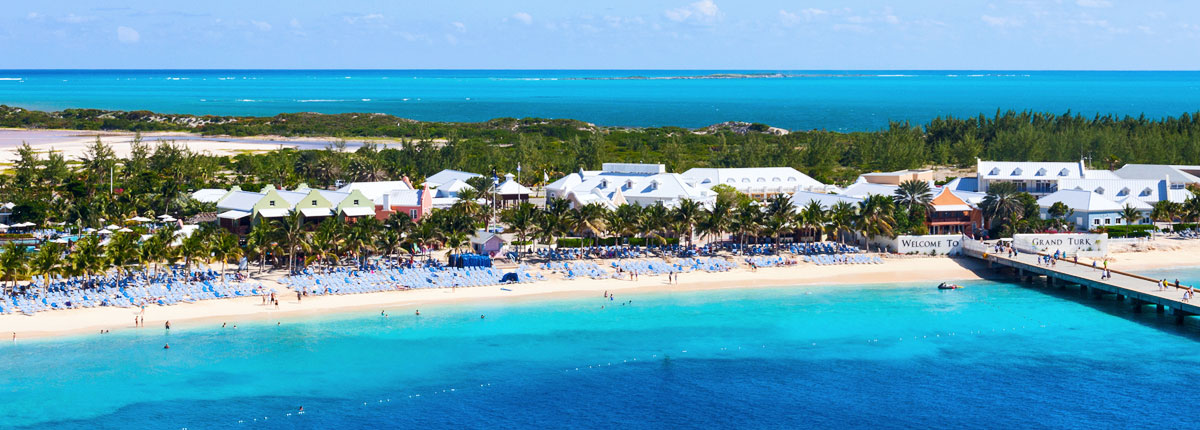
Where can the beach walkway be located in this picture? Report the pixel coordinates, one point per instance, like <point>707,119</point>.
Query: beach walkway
<point>1140,290</point>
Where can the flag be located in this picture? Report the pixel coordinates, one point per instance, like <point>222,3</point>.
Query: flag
<point>545,176</point>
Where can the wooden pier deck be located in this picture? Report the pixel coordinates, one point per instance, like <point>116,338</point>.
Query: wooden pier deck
<point>1139,290</point>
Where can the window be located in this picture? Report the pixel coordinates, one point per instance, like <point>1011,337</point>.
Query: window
<point>1096,221</point>
<point>1064,172</point>
<point>604,184</point>
<point>412,213</point>
<point>356,202</point>
<point>995,171</point>
<point>1099,190</point>
<point>762,179</point>
<point>792,179</point>
<point>1017,171</point>
<point>1123,192</point>
<point>1107,221</point>
<point>314,202</point>
<point>776,179</point>
<point>1040,172</point>
<point>1145,192</point>
<point>272,203</point>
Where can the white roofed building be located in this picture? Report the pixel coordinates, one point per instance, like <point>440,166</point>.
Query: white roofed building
<point>1037,178</point>
<point>759,183</point>
<point>1091,210</point>
<point>624,183</point>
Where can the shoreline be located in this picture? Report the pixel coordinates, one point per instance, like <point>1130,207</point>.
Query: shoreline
<point>72,322</point>
<point>1149,255</point>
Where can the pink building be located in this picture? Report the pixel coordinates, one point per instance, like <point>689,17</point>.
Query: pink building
<point>414,203</point>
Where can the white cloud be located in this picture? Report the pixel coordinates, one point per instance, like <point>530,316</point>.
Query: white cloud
<point>460,27</point>
<point>1093,3</point>
<point>75,19</point>
<point>808,14</point>
<point>128,35</point>
<point>703,11</point>
<point>33,16</point>
<point>260,25</point>
<point>523,17</point>
<point>368,18</point>
<point>295,23</point>
<point>1000,22</point>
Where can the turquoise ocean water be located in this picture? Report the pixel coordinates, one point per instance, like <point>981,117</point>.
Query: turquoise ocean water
<point>993,355</point>
<point>834,100</point>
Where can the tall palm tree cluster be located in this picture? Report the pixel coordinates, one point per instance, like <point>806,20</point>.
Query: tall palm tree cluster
<point>748,221</point>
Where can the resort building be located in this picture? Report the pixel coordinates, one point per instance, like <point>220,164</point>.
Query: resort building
<point>760,183</point>
<point>414,203</point>
<point>238,210</point>
<point>1091,210</point>
<point>1179,175</point>
<point>897,177</point>
<point>1037,178</point>
<point>1146,190</point>
<point>953,213</point>
<point>437,180</point>
<point>623,183</point>
<point>510,192</point>
<point>487,243</point>
<point>375,190</point>
<point>802,198</point>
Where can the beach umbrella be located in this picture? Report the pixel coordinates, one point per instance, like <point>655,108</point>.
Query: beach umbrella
<point>112,227</point>
<point>3,226</point>
<point>168,218</point>
<point>124,230</point>
<point>61,240</point>
<point>140,219</point>
<point>88,230</point>
<point>104,231</point>
<point>164,216</point>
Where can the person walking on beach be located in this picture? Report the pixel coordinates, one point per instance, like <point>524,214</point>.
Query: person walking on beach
<point>168,325</point>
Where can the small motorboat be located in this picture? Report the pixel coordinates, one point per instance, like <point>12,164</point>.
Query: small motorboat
<point>948,286</point>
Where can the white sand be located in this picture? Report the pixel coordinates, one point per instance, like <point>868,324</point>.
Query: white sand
<point>92,320</point>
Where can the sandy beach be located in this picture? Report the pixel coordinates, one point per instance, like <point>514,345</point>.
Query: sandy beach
<point>92,320</point>
<point>1148,255</point>
<point>73,143</point>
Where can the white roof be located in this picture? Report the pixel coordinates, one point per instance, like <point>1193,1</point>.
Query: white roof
<point>668,188</point>
<point>1135,202</point>
<point>374,190</point>
<point>1149,190</point>
<point>402,198</point>
<point>239,200</point>
<point>358,211</point>
<point>273,212</point>
<point>511,187</point>
<point>334,197</point>
<point>316,212</point>
<point>753,178</point>
<point>454,186</point>
<point>209,195</point>
<point>1177,174</point>
<point>233,214</point>
<point>801,199</point>
<point>1080,201</point>
<point>1029,170</point>
<point>952,208</point>
<point>863,189</point>
<point>449,175</point>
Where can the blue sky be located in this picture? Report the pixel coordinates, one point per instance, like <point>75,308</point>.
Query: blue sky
<point>622,34</point>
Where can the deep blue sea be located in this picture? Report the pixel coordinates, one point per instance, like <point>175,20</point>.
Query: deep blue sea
<point>992,355</point>
<point>843,100</point>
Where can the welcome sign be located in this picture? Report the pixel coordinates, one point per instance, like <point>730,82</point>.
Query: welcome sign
<point>939,244</point>
<point>1090,245</point>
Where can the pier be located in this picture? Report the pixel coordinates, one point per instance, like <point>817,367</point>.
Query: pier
<point>1140,291</point>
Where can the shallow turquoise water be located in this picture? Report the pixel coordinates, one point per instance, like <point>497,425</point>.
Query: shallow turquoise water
<point>990,355</point>
<point>834,100</point>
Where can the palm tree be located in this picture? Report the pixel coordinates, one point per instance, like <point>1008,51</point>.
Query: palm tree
<point>294,237</point>
<point>914,194</point>
<point>1001,204</point>
<point>841,219</point>
<point>587,219</point>
<point>1164,211</point>
<point>875,217</point>
<point>778,216</point>
<point>520,219</point>
<point>47,261</point>
<point>715,221</point>
<point>747,220</point>
<point>1130,214</point>
<point>87,257</point>
<point>813,217</point>
<point>224,248</point>
<point>194,247</point>
<point>623,222</point>
<point>261,240</point>
<point>1190,208</point>
<point>686,214</point>
<point>655,223</point>
<point>13,263</point>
